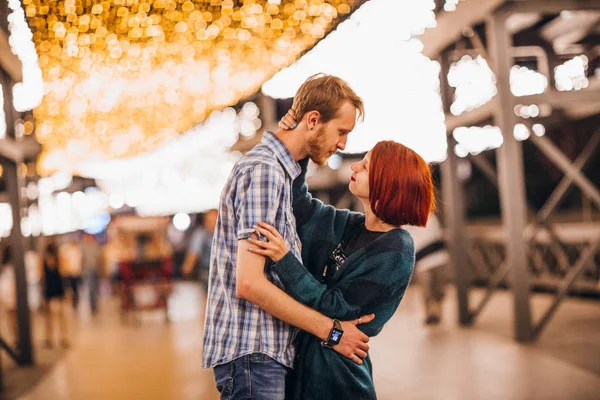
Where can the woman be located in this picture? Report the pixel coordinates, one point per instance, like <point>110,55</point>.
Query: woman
<point>354,264</point>
<point>54,294</point>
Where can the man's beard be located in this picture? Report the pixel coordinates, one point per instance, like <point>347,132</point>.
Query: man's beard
<point>316,147</point>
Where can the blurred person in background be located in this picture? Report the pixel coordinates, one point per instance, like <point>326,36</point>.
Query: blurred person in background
<point>112,255</point>
<point>70,262</point>
<point>249,330</point>
<point>197,259</point>
<point>54,296</point>
<point>431,259</point>
<point>91,253</point>
<point>33,270</point>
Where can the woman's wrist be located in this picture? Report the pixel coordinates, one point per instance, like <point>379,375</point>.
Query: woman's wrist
<point>283,256</point>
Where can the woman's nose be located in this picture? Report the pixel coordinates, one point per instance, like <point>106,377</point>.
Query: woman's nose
<point>354,167</point>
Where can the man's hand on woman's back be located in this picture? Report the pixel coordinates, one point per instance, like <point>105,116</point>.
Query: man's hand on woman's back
<point>354,343</point>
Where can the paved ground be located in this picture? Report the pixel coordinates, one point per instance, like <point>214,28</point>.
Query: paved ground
<point>112,360</point>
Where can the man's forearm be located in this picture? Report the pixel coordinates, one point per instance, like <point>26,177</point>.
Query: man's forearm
<point>252,285</point>
<point>279,304</point>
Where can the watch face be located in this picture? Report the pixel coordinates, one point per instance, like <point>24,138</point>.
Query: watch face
<point>335,336</point>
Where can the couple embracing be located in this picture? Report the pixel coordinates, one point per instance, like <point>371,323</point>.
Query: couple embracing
<point>297,287</point>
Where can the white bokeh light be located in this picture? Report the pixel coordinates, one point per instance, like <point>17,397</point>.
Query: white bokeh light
<point>521,132</point>
<point>374,51</point>
<point>29,93</point>
<point>181,221</point>
<point>180,176</point>
<point>476,139</point>
<point>475,84</point>
<point>335,161</point>
<point>572,74</point>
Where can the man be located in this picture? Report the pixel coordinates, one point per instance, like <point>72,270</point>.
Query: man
<point>199,249</point>
<point>249,328</point>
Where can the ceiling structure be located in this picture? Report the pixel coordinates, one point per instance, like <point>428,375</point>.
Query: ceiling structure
<point>122,76</point>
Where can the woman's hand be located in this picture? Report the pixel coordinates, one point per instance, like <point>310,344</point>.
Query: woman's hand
<point>288,122</point>
<point>275,248</point>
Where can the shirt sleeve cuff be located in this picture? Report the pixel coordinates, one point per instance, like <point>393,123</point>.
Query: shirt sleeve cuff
<point>245,233</point>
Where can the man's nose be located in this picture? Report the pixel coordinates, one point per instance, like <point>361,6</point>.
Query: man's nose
<point>342,144</point>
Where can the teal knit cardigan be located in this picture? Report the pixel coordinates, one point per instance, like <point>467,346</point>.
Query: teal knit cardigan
<point>372,280</point>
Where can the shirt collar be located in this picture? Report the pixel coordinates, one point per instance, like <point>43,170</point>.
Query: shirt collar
<point>290,165</point>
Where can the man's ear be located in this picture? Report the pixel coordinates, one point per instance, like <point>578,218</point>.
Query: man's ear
<point>312,118</point>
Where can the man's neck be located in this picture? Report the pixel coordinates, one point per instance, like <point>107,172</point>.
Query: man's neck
<point>294,141</point>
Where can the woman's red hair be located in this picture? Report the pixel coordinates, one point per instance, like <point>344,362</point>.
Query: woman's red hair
<point>401,189</point>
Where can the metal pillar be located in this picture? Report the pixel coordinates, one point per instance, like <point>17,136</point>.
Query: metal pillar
<point>268,113</point>
<point>454,210</point>
<point>25,351</point>
<point>511,178</point>
<point>566,166</point>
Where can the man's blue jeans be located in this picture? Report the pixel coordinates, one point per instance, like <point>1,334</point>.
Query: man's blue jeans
<point>255,376</point>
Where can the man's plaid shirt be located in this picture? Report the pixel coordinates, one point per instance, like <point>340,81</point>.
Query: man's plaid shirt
<point>258,189</point>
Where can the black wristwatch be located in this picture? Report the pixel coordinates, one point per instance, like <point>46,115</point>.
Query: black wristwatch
<point>335,335</point>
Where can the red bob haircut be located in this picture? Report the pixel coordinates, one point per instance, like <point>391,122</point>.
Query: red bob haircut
<point>401,189</point>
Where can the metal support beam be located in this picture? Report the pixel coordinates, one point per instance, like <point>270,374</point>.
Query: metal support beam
<point>493,283</point>
<point>563,163</point>
<point>502,271</point>
<point>10,150</point>
<point>10,351</point>
<point>585,257</point>
<point>565,183</point>
<point>268,113</point>
<point>511,178</point>
<point>472,117</point>
<point>454,211</point>
<point>562,99</point>
<point>8,61</point>
<point>456,233</point>
<point>546,6</point>
<point>16,237</point>
<point>552,97</point>
<point>450,24</point>
<point>486,168</point>
<point>26,149</point>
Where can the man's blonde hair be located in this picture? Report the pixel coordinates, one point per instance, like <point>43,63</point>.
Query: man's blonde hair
<point>325,94</point>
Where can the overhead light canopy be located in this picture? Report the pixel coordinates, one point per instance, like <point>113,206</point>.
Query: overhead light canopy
<point>121,76</point>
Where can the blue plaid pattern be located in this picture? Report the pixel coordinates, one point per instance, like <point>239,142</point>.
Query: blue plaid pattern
<point>258,189</point>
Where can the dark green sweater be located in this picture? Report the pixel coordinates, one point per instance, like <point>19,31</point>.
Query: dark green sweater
<point>372,280</point>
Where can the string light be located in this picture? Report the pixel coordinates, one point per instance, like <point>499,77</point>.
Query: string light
<point>124,75</point>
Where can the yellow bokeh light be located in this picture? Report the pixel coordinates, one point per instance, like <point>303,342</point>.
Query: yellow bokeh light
<point>158,67</point>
